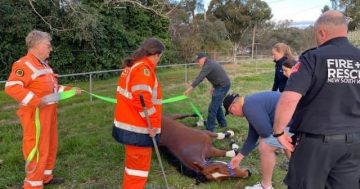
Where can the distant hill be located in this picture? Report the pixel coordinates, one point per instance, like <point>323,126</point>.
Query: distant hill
<point>302,24</point>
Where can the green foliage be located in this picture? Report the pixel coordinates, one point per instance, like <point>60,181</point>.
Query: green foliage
<point>240,16</point>
<point>354,37</point>
<point>298,39</point>
<point>87,36</point>
<point>351,8</point>
<point>201,35</point>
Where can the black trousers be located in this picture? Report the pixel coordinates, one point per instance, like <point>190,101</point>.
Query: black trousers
<point>325,162</point>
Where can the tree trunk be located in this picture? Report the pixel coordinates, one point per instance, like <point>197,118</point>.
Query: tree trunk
<point>253,42</point>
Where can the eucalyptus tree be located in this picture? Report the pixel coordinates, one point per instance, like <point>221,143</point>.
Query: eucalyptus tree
<point>240,18</point>
<point>350,8</point>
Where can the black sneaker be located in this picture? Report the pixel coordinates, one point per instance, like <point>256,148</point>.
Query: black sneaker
<point>55,180</point>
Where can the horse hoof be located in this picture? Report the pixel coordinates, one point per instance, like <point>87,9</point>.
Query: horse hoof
<point>249,173</point>
<point>233,145</point>
<point>230,132</point>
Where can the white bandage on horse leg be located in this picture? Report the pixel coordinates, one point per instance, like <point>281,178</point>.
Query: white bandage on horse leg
<point>231,133</point>
<point>234,146</point>
<point>200,123</point>
<point>220,136</point>
<point>230,153</point>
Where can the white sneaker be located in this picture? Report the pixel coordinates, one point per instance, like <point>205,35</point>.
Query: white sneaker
<point>258,186</point>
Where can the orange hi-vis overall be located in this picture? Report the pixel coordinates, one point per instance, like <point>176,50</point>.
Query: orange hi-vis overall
<point>31,83</point>
<point>130,127</point>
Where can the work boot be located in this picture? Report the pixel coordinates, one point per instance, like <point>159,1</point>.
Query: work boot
<point>55,180</point>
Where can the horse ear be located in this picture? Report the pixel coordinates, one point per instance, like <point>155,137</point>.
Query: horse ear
<point>198,165</point>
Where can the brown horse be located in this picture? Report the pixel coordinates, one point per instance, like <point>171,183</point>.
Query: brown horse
<point>193,149</point>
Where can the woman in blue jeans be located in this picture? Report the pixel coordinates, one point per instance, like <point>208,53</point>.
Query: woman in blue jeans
<point>220,81</point>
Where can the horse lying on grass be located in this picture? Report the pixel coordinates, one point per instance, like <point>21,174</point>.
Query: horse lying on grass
<point>190,151</point>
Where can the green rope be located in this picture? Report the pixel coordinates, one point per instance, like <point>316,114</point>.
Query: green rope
<point>72,92</point>
<point>67,94</point>
<point>103,98</point>
<point>197,112</point>
<point>165,101</point>
<point>174,99</point>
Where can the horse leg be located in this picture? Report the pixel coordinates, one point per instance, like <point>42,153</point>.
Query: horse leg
<point>214,152</point>
<point>233,145</point>
<point>181,116</point>
<point>220,136</point>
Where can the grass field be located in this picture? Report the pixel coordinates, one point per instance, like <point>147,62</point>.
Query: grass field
<point>89,157</point>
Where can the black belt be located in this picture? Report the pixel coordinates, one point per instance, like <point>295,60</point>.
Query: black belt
<point>348,138</point>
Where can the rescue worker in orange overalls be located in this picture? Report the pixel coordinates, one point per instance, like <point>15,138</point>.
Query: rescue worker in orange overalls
<point>33,84</point>
<point>130,127</point>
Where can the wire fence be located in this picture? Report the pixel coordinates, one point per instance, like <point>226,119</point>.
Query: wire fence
<point>185,67</point>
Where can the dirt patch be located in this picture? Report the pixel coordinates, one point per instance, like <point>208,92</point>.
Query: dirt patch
<point>9,107</point>
<point>9,122</point>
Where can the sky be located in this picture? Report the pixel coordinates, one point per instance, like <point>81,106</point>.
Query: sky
<point>302,12</point>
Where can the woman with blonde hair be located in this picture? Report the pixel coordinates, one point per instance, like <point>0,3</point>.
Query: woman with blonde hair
<point>280,53</point>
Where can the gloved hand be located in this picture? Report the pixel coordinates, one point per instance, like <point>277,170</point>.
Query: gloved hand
<point>188,91</point>
<point>152,131</point>
<point>235,161</point>
<point>78,90</point>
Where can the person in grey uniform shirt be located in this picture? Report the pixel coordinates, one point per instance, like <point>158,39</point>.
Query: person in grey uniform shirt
<point>220,82</point>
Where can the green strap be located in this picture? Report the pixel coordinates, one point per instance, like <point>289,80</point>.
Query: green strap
<point>106,99</point>
<point>113,100</point>
<point>174,99</point>
<point>197,112</point>
<point>67,94</point>
<point>35,150</point>
<point>72,92</point>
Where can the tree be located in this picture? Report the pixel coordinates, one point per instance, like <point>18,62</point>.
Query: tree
<point>350,8</point>
<point>240,17</point>
<point>203,35</point>
<point>325,8</point>
<point>87,36</point>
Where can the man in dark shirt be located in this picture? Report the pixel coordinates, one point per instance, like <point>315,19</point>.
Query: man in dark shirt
<point>259,110</point>
<point>323,96</point>
<point>220,81</point>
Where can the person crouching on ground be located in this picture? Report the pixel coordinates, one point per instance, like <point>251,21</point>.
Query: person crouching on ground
<point>259,110</point>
